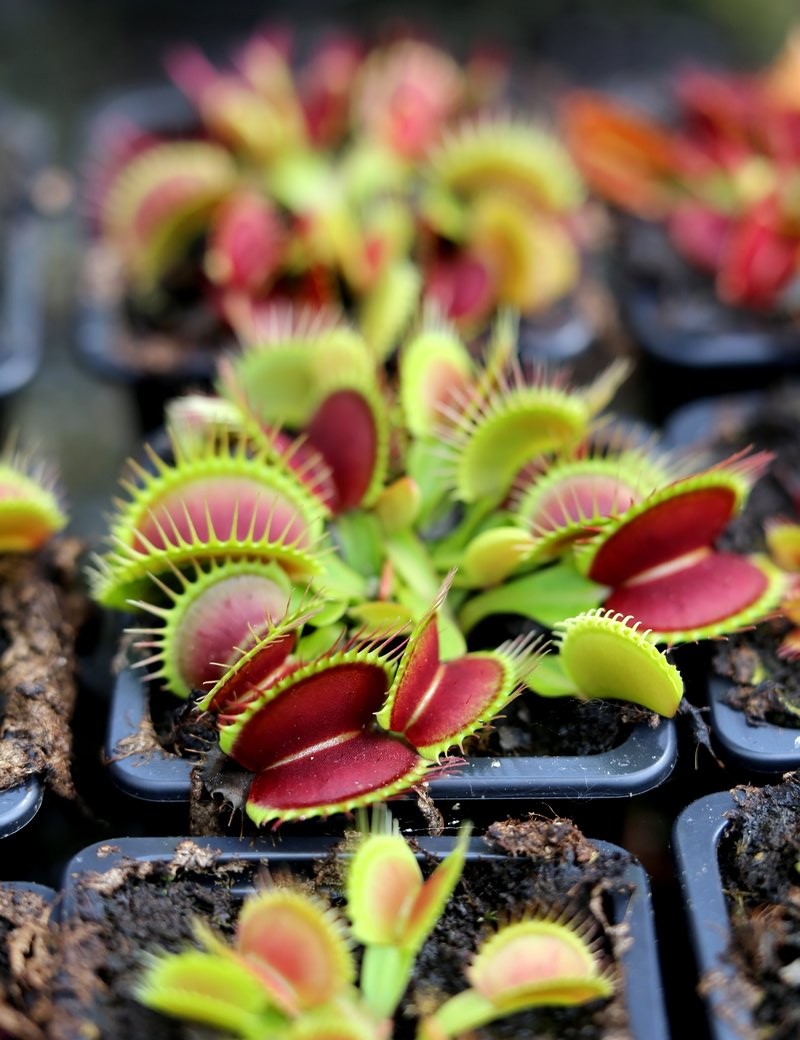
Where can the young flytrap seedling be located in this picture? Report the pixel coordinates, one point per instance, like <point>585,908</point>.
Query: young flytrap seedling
<point>725,181</point>
<point>324,539</point>
<point>348,181</point>
<point>291,973</point>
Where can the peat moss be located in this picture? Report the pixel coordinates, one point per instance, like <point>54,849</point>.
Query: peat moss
<point>115,919</point>
<point>759,857</point>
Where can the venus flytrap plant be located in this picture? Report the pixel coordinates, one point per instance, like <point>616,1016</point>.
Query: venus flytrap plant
<point>215,501</point>
<point>392,910</point>
<point>290,972</point>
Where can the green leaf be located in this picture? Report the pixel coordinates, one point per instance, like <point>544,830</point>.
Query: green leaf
<point>545,596</point>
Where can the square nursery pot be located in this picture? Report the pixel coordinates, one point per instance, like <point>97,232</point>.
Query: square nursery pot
<point>644,759</point>
<point>225,870</point>
<point>749,735</point>
<point>692,344</point>
<point>709,854</point>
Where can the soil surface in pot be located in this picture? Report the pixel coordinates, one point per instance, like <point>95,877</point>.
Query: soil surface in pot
<point>530,725</point>
<point>759,855</point>
<point>27,963</point>
<point>42,610</point>
<point>138,908</point>
<point>763,685</point>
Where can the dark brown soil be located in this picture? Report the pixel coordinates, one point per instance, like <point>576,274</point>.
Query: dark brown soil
<point>759,857</point>
<point>26,963</point>
<point>41,610</point>
<point>118,917</point>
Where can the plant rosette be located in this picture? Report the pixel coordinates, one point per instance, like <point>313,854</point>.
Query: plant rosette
<point>318,535</point>
<point>187,896</point>
<point>42,612</point>
<point>736,855</point>
<point>753,694</point>
<point>710,246</point>
<point>363,179</point>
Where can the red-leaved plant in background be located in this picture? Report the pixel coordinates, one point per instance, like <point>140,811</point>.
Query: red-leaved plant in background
<point>725,179</point>
<point>290,971</point>
<point>360,178</point>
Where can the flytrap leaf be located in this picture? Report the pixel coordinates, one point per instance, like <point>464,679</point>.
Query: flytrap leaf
<point>261,123</point>
<point>511,156</point>
<point>532,255</point>
<point>389,903</point>
<point>247,243</point>
<point>576,496</point>
<point>30,512</point>
<point>297,946</point>
<point>505,425</point>
<point>525,964</point>
<point>404,94</point>
<point>659,561</point>
<point>436,376</point>
<point>209,618</point>
<point>321,383</point>
<point>625,158</point>
<point>393,910</point>
<point>605,655</point>
<point>437,704</point>
<point>161,200</point>
<point>354,725</point>
<point>213,989</point>
<point>311,737</point>
<point>219,502</point>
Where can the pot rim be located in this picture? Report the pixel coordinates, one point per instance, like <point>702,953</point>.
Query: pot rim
<point>644,760</point>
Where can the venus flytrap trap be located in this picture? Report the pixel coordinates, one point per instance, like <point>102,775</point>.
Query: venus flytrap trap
<point>30,510</point>
<point>358,723</point>
<point>290,971</point>
<point>498,194</point>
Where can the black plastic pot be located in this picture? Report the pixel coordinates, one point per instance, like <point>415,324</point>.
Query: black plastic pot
<point>19,805</point>
<point>692,344</point>
<point>762,749</point>
<point>630,902</point>
<point>695,840</point>
<point>643,761</point>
